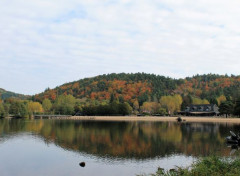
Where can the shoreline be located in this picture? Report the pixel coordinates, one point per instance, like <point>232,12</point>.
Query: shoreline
<point>155,119</point>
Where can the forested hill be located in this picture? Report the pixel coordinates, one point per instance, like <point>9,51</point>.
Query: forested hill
<point>7,94</point>
<point>125,87</point>
<point>147,87</point>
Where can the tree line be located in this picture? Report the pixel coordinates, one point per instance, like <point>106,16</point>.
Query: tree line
<point>140,93</point>
<point>69,105</point>
<point>146,87</point>
<point>63,105</point>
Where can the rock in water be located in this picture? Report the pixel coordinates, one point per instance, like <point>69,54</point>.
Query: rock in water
<point>179,119</point>
<point>82,164</point>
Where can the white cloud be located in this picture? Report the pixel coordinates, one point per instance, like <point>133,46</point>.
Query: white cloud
<point>45,43</point>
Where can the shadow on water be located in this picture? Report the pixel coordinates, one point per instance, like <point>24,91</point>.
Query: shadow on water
<point>138,140</point>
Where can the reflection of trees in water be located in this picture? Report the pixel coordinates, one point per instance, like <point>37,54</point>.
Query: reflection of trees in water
<point>127,139</point>
<point>201,139</point>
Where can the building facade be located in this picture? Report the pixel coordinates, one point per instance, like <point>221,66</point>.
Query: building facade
<point>201,110</point>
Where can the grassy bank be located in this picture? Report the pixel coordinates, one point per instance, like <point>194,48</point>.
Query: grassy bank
<point>209,166</point>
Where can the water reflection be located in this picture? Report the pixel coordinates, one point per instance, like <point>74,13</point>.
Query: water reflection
<point>122,140</point>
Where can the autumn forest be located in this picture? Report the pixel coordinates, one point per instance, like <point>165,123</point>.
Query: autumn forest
<point>125,94</point>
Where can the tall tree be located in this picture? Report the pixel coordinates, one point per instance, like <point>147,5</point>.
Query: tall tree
<point>226,108</point>
<point>168,102</point>
<point>187,100</point>
<point>47,105</point>
<point>237,108</point>
<point>2,111</point>
<point>19,109</point>
<point>34,108</point>
<point>65,104</point>
<point>136,105</point>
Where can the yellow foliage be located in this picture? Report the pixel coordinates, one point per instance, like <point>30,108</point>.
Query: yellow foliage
<point>136,105</point>
<point>205,101</point>
<point>199,101</point>
<point>221,99</point>
<point>172,134</point>
<point>47,105</point>
<point>171,103</point>
<point>35,107</point>
<point>178,101</point>
<point>150,107</point>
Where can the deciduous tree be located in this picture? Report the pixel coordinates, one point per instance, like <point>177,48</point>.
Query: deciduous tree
<point>47,105</point>
<point>65,104</point>
<point>34,107</point>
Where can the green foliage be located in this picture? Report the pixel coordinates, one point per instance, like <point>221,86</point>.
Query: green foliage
<point>237,108</point>
<point>226,108</point>
<point>7,94</point>
<point>213,100</point>
<point>199,101</point>
<point>101,85</point>
<point>130,86</point>
<point>47,105</point>
<point>162,111</point>
<point>65,104</point>
<point>212,165</point>
<point>142,98</point>
<point>18,109</point>
<point>199,89</point>
<point>114,108</point>
<point>125,108</point>
<point>6,109</point>
<point>137,89</point>
<point>2,111</point>
<point>187,100</point>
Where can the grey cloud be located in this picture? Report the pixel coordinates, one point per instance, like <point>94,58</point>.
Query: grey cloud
<point>47,43</point>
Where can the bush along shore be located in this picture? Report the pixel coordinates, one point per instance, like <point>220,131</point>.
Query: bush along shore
<point>213,165</point>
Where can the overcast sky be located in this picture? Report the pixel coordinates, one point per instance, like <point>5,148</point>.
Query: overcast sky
<point>45,43</point>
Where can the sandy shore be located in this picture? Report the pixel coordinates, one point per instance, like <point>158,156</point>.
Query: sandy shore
<point>157,119</point>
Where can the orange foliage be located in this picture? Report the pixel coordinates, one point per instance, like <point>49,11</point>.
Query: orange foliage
<point>66,86</point>
<point>126,97</point>
<point>129,91</point>
<point>75,85</point>
<point>195,86</point>
<point>53,97</point>
<point>198,92</point>
<point>93,95</point>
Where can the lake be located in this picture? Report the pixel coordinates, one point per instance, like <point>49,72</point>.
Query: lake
<point>56,147</point>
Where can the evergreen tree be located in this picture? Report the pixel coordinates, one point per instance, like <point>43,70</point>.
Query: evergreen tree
<point>226,108</point>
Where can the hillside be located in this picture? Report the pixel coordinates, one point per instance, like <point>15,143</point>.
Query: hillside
<point>7,94</point>
<point>147,87</point>
<point>126,87</point>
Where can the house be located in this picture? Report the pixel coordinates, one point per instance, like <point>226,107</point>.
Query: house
<point>201,110</point>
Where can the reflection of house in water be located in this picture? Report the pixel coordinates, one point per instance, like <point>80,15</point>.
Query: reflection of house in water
<point>202,127</point>
<point>201,110</point>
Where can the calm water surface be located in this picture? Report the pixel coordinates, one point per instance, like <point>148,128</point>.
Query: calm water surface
<point>56,147</point>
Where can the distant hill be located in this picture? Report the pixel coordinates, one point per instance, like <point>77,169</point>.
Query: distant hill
<point>7,94</point>
<point>147,87</point>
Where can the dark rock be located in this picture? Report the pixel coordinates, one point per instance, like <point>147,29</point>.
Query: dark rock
<point>179,119</point>
<point>82,164</point>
